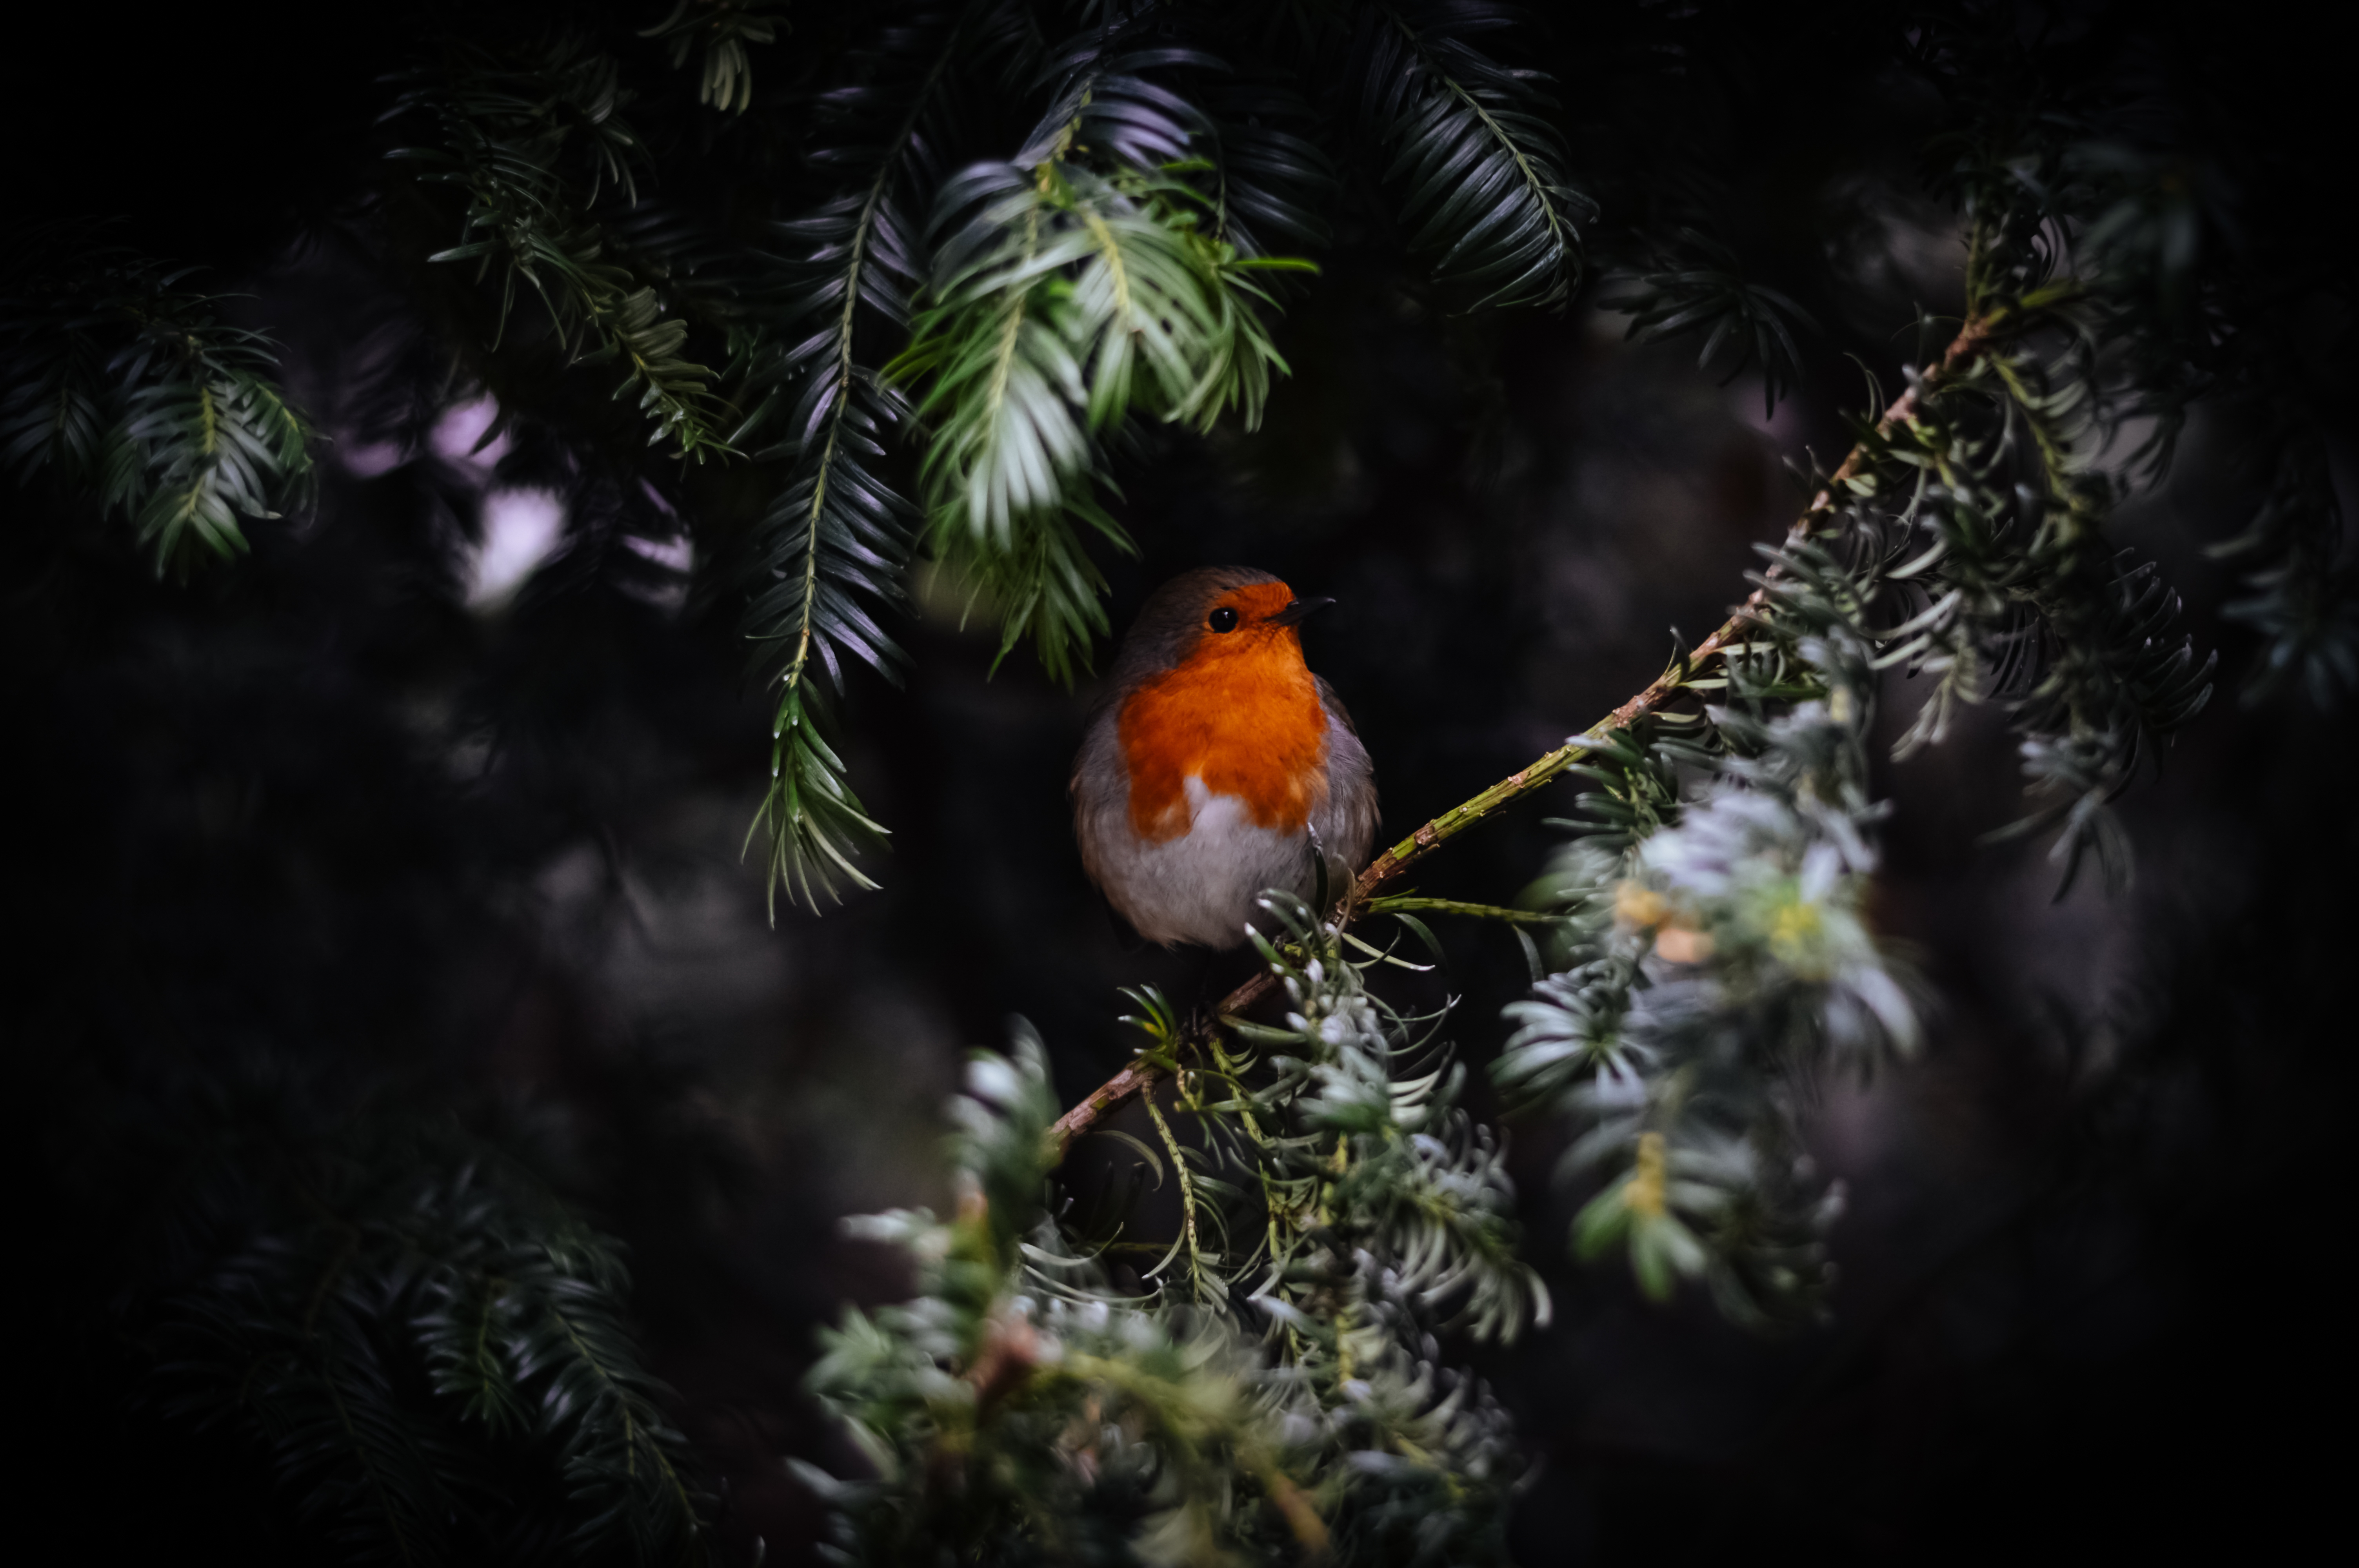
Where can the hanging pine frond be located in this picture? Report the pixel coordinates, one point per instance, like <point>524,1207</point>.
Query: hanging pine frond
<point>721,32</point>
<point>2298,596</point>
<point>1475,151</point>
<point>2178,302</point>
<point>124,386</point>
<point>1065,300</point>
<point>392,1318</point>
<point>833,546</point>
<point>1269,183</point>
<point>1701,290</point>
<point>517,140</point>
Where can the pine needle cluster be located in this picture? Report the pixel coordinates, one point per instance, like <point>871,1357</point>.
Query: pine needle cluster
<point>124,386</point>
<point>1275,1389</point>
<point>421,1352</point>
<point>1717,957</point>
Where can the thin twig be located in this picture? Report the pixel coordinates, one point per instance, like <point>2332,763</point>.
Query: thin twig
<point>1977,335</point>
<point>1392,903</point>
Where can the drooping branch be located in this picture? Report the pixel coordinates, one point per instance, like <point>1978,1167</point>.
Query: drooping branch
<point>1977,335</point>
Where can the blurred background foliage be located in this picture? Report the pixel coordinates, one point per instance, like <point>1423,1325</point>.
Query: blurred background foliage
<point>405,1028</point>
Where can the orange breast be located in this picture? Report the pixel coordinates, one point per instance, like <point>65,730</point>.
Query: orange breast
<point>1245,720</point>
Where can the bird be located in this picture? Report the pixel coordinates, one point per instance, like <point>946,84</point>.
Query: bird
<point>1217,765</point>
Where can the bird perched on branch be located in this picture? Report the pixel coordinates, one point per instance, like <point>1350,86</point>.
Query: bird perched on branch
<point>1219,766</point>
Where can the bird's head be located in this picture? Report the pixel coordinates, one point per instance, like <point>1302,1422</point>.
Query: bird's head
<point>1218,619</point>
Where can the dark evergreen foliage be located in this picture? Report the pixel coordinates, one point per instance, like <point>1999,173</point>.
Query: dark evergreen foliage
<point>126,390</point>
<point>811,325</point>
<point>424,1351</point>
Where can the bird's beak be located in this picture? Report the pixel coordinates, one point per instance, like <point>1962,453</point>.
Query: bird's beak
<point>1297,613</point>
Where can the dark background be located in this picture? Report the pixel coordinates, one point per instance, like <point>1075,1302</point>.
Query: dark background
<point>312,803</point>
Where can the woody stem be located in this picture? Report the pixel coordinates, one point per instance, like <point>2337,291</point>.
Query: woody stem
<point>1977,335</point>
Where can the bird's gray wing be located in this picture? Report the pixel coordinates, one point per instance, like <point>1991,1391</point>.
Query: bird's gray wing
<point>1348,823</point>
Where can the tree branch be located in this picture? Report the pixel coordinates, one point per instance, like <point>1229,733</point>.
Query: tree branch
<point>1978,333</point>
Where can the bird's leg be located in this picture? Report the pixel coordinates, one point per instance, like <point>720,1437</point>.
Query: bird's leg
<point>1319,899</point>
<point>1203,1015</point>
<point>1201,1021</point>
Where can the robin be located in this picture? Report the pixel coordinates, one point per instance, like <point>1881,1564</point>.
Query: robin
<point>1219,766</point>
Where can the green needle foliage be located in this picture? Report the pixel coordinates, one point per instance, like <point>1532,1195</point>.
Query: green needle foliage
<point>1066,298</point>
<point>1700,289</point>
<point>1275,1393</point>
<point>121,385</point>
<point>1716,952</point>
<point>2299,596</point>
<point>1017,1407</point>
<point>1716,959</point>
<point>2223,335</point>
<point>720,33</point>
<point>831,549</point>
<point>1475,151</point>
<point>518,141</point>
<point>427,1354</point>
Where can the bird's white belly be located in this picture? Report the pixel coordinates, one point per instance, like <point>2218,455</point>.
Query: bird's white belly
<point>1201,887</point>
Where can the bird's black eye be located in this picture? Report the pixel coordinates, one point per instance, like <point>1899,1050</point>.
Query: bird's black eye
<point>1223,620</point>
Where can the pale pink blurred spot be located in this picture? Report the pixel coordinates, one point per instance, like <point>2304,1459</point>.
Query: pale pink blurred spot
<point>522,529</point>
<point>376,458</point>
<point>462,426</point>
<point>675,554</point>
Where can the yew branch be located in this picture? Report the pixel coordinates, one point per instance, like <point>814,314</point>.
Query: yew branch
<point>1977,335</point>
